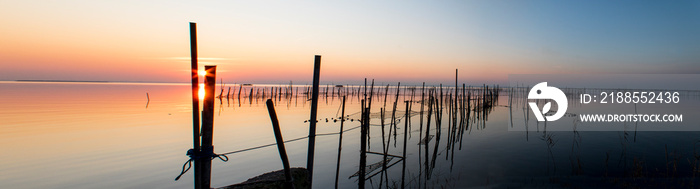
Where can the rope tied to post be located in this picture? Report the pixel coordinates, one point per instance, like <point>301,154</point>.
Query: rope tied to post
<point>206,152</point>
<point>188,164</point>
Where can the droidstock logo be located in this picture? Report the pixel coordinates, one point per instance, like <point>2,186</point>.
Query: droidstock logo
<point>542,91</point>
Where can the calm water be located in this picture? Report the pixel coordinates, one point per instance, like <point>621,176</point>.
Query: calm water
<point>109,135</point>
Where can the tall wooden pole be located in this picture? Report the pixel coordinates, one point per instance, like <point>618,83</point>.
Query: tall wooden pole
<point>208,125</point>
<point>195,103</point>
<point>312,120</point>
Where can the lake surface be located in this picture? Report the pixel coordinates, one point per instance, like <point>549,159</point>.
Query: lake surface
<point>112,135</point>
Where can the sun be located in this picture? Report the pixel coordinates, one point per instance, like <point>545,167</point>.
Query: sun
<point>202,73</point>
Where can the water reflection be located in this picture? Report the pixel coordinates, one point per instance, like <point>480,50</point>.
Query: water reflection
<point>462,139</point>
<point>469,114</point>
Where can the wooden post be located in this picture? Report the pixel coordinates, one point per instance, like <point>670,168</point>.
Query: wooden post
<point>280,144</point>
<point>455,108</point>
<point>427,133</point>
<point>384,146</point>
<point>422,106</point>
<point>340,142</point>
<point>222,88</point>
<point>363,145</point>
<point>240,90</point>
<point>195,104</point>
<point>369,108</point>
<point>312,120</point>
<point>393,114</point>
<point>405,134</point>
<point>208,125</point>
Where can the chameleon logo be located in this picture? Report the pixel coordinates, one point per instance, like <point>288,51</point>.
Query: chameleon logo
<point>542,91</point>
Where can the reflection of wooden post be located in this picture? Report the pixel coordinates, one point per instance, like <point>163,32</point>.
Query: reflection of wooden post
<point>208,124</point>
<point>195,103</point>
<point>280,144</point>
<point>312,120</point>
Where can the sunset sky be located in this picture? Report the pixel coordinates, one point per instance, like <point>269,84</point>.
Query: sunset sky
<point>391,41</point>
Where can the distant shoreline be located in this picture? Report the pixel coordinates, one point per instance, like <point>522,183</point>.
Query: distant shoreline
<point>88,81</point>
<point>26,80</point>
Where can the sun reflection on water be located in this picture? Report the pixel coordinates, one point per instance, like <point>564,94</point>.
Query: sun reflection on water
<point>201,91</point>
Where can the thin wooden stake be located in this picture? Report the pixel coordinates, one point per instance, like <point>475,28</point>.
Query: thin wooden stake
<point>280,144</point>
<point>340,143</point>
<point>363,146</point>
<point>405,134</point>
<point>312,120</point>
